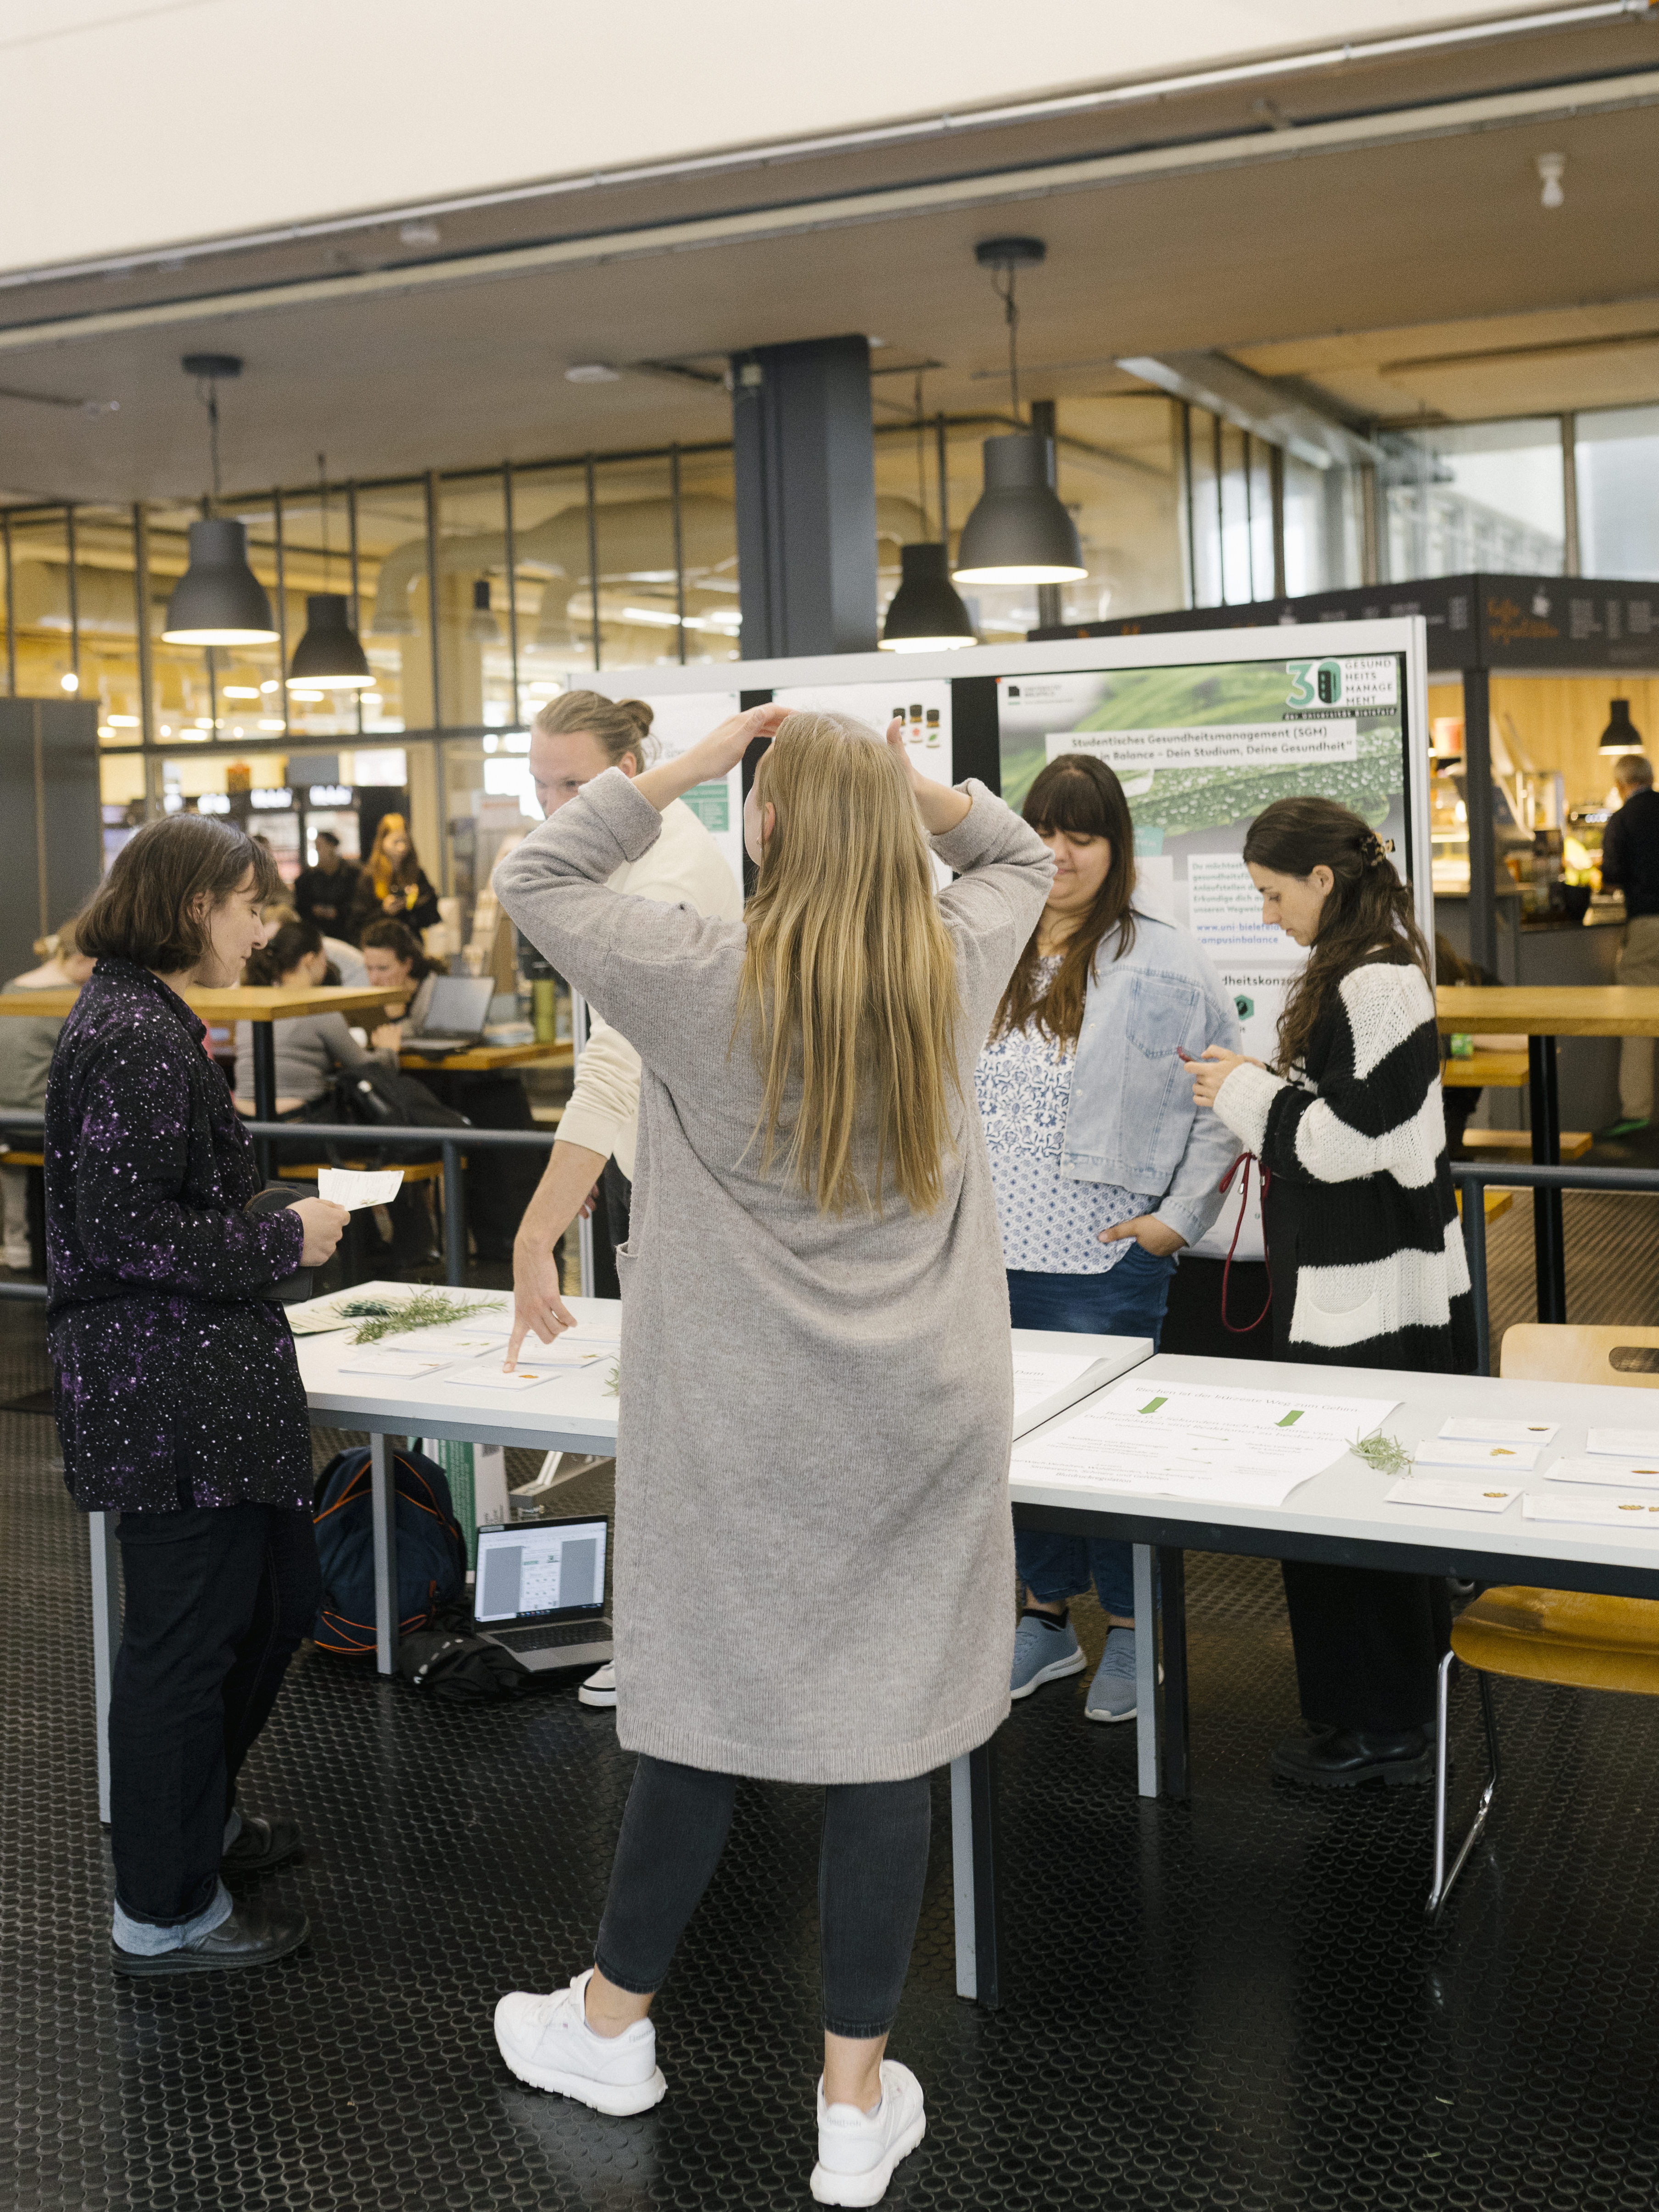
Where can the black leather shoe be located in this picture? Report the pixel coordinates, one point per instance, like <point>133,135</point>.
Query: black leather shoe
<point>261,1845</point>
<point>1338,1758</point>
<point>253,1935</point>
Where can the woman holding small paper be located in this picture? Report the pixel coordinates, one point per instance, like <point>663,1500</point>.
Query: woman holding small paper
<point>1364,1245</point>
<point>178,1395</point>
<point>814,1546</point>
<point>1104,1170</point>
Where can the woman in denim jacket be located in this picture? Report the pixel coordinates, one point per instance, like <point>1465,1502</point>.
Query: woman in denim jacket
<point>1101,1169</point>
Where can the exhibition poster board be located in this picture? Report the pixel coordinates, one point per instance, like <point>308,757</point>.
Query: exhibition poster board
<point>1203,728</point>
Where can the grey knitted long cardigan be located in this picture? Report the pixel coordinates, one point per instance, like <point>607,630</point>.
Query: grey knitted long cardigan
<point>814,1563</point>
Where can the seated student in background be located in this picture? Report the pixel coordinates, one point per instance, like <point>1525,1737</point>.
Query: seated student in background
<point>311,1049</point>
<point>1104,1170</point>
<point>178,1398</point>
<point>27,1045</point>
<point>393,957</point>
<point>1363,1242</point>
<point>575,737</point>
<point>392,886</point>
<point>814,1546</point>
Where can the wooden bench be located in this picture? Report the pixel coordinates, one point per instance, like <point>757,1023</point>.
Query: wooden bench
<point>1485,1071</point>
<point>1575,1143</point>
<point>1496,1202</point>
<point>421,1170</point>
<point>10,1157</point>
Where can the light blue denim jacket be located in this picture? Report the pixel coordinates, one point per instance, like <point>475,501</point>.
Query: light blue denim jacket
<point>1132,1120</point>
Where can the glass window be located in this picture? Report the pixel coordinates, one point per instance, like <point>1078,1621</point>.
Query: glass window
<point>1616,455</point>
<point>1323,526</point>
<point>1471,495</point>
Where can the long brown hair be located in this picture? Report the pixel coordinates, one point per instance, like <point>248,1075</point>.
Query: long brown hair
<point>618,726</point>
<point>849,978</point>
<point>1367,911</point>
<point>1079,794</point>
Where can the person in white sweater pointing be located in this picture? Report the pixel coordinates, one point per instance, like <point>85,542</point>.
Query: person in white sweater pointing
<point>575,737</point>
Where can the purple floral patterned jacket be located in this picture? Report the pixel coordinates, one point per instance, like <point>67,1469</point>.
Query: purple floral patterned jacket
<point>176,1382</point>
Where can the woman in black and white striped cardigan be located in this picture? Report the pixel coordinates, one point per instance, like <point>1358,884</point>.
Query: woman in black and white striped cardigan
<point>1363,1240</point>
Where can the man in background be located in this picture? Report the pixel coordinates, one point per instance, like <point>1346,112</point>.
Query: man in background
<point>1630,863</point>
<point>322,893</point>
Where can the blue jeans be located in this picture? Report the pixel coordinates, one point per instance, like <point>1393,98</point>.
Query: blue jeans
<point>1128,1300</point>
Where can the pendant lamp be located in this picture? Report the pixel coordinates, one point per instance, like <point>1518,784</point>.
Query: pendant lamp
<point>1018,533</point>
<point>218,600</point>
<point>330,656</point>
<point>926,615</point>
<point>1621,734</point>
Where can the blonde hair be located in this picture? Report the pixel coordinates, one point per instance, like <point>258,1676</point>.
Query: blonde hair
<point>385,877</point>
<point>618,725</point>
<point>849,981</point>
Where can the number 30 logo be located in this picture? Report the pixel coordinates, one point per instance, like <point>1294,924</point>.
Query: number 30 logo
<point>1315,683</point>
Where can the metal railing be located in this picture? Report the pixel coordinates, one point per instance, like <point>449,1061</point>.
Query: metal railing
<point>1474,1177</point>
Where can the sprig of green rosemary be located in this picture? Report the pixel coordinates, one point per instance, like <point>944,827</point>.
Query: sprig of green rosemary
<point>377,1317</point>
<point>1384,1454</point>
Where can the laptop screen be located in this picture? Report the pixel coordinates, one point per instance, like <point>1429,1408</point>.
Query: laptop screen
<point>459,1004</point>
<point>540,1569</point>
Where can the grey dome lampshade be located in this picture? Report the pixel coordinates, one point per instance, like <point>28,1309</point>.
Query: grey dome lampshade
<point>330,656</point>
<point>218,600</point>
<point>926,615</point>
<point>1621,734</point>
<point>1019,533</point>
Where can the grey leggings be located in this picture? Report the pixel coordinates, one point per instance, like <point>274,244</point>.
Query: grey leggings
<point>871,1866</point>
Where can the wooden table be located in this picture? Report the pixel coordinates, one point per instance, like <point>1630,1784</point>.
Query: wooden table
<point>1541,1013</point>
<point>485,1059</point>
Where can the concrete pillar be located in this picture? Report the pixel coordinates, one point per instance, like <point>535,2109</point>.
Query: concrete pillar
<point>805,485</point>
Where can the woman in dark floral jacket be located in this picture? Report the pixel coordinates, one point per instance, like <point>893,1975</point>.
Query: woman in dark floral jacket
<point>179,1397</point>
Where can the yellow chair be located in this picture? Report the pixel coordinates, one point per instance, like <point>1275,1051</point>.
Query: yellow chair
<point>1569,1637</point>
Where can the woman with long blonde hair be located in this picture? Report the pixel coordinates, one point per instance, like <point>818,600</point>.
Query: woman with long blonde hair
<point>393,884</point>
<point>814,1551</point>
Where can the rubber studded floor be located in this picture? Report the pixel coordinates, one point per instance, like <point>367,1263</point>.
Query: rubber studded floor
<point>1233,2003</point>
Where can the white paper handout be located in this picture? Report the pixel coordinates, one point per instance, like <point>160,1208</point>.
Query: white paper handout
<point>488,1377</point>
<point>1640,1514</point>
<point>1046,1382</point>
<point>1626,1443</point>
<point>1210,1443</point>
<point>353,1189</point>
<point>1515,1458</point>
<point>371,1359</point>
<point>1610,1474</point>
<point>1453,1497</point>
<point>1478,1429</point>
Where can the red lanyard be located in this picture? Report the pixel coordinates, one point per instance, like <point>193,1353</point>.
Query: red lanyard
<point>1243,1159</point>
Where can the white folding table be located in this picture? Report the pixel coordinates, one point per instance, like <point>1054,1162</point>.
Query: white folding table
<point>1340,1517</point>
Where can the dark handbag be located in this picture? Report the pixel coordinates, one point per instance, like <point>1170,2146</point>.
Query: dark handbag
<point>378,1098</point>
<point>294,1289</point>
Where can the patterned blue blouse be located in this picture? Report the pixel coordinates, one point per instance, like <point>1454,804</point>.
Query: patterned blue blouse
<point>176,1383</point>
<point>1050,1222</point>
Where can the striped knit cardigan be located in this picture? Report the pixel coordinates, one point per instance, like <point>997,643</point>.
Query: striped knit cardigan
<point>1362,1236</point>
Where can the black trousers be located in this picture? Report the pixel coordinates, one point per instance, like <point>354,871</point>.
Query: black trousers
<point>217,1599</point>
<point>1368,1644</point>
<point>872,1864</point>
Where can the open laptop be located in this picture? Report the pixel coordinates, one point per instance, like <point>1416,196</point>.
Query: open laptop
<point>540,1592</point>
<point>455,1017</point>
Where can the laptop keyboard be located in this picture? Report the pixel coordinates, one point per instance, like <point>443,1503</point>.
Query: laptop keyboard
<point>552,1639</point>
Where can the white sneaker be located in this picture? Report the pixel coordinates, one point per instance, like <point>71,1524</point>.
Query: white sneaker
<point>600,1687</point>
<point>547,2042</point>
<point>857,2151</point>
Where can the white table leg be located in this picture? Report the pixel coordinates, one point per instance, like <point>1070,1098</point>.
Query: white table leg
<point>105,1636</point>
<point>384,1495</point>
<point>1147,1748</point>
<point>962,1864</point>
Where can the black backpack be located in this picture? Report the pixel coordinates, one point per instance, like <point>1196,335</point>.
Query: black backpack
<point>381,1099</point>
<point>431,1550</point>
